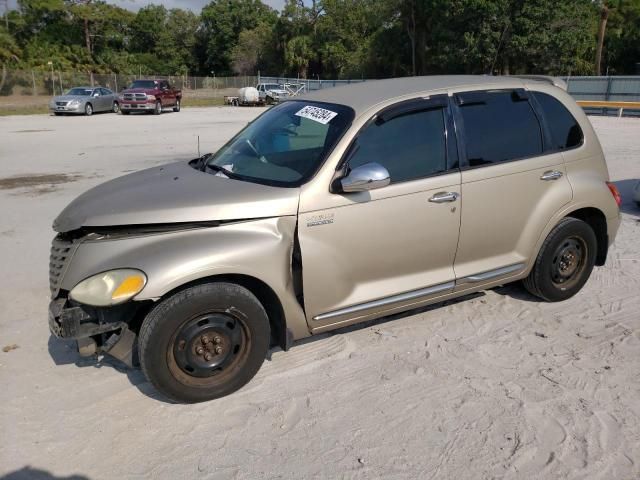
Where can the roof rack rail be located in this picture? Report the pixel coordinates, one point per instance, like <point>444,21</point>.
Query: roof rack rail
<point>555,81</point>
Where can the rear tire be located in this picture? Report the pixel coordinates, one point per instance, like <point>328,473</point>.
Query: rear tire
<point>177,107</point>
<point>204,342</point>
<point>116,107</point>
<point>57,114</point>
<point>158,108</point>
<point>565,261</point>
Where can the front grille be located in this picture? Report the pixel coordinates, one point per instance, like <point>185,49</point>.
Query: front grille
<point>61,252</point>
<point>61,104</point>
<point>135,96</point>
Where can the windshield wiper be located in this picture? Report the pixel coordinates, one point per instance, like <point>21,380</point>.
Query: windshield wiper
<point>202,161</point>
<point>218,168</point>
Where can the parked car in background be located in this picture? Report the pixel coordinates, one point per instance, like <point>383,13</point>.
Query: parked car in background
<point>150,96</point>
<point>636,194</point>
<point>271,93</point>
<point>339,207</point>
<point>85,101</point>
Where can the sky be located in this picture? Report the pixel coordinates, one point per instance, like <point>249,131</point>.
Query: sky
<point>195,5</point>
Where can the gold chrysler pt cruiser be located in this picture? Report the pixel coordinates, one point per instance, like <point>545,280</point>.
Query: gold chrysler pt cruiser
<point>337,207</point>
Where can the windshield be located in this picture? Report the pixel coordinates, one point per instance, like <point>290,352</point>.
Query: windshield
<point>272,86</point>
<point>285,145</point>
<point>85,92</point>
<point>144,84</point>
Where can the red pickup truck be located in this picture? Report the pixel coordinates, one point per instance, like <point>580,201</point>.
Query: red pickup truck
<point>149,96</point>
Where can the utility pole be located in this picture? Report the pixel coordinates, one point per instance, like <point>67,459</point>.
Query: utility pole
<point>53,85</point>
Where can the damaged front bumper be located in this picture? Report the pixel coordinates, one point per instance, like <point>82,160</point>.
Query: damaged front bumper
<point>74,322</point>
<point>96,331</point>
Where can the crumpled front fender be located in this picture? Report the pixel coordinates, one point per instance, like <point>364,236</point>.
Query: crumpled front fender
<point>261,249</point>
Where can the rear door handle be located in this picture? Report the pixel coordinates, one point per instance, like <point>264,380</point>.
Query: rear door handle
<point>443,197</point>
<point>551,175</point>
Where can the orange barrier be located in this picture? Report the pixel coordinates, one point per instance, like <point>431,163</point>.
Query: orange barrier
<point>604,104</point>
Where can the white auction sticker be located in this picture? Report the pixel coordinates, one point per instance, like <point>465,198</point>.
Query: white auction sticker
<point>317,114</point>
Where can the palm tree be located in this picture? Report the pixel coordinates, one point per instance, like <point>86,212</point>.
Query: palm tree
<point>605,6</point>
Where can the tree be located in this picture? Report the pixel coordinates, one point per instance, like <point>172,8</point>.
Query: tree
<point>254,50</point>
<point>222,21</point>
<point>9,52</point>
<point>298,54</point>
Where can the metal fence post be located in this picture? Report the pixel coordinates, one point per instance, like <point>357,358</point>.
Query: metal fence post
<point>608,94</point>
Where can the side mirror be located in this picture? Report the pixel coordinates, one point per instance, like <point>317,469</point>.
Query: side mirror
<point>365,177</point>
<point>96,94</point>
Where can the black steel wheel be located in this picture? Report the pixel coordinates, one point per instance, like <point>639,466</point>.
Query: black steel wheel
<point>564,262</point>
<point>204,342</point>
<point>209,345</point>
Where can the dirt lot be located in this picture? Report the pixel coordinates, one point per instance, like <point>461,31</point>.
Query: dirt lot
<point>497,385</point>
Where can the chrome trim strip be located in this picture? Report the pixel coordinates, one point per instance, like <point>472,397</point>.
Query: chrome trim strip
<point>401,297</point>
<point>491,274</point>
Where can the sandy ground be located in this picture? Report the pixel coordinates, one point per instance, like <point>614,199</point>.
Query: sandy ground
<point>496,385</point>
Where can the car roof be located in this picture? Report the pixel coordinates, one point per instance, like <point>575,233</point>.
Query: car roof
<point>363,95</point>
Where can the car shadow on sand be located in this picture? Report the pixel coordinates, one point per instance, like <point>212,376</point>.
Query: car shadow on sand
<point>625,187</point>
<point>30,473</point>
<point>64,352</point>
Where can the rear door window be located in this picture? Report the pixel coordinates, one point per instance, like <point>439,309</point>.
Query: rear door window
<point>563,127</point>
<point>409,146</point>
<point>499,126</point>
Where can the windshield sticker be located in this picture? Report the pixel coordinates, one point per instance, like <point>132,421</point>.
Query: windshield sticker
<point>317,114</point>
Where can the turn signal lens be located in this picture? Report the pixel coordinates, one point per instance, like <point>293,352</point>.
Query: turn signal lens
<point>109,288</point>
<point>616,194</point>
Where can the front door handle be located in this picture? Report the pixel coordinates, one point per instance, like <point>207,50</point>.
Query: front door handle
<point>551,175</point>
<point>443,197</point>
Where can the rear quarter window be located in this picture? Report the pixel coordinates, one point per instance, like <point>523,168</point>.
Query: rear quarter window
<point>563,127</point>
<point>499,126</point>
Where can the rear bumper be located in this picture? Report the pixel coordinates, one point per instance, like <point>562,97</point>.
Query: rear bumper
<point>613,224</point>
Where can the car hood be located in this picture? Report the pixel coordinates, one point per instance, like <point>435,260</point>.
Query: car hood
<point>174,193</point>
<point>68,98</point>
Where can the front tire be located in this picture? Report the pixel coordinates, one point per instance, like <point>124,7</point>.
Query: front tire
<point>565,261</point>
<point>88,109</point>
<point>158,108</point>
<point>125,112</point>
<point>204,342</point>
<point>177,107</point>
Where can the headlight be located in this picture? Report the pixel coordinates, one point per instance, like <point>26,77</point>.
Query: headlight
<point>73,103</point>
<point>151,97</point>
<point>109,288</point>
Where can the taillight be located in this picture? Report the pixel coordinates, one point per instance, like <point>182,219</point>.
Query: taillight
<point>616,194</point>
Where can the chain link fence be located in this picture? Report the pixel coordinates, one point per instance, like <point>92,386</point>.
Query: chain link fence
<point>35,88</point>
<point>19,87</point>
